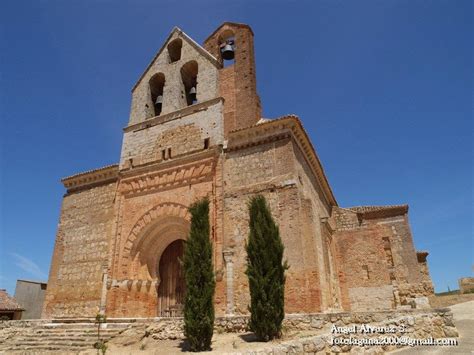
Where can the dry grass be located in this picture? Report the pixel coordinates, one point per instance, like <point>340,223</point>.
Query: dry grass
<point>442,301</point>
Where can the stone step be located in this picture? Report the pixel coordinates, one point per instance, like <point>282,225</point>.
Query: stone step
<point>56,339</point>
<point>64,338</point>
<point>83,326</point>
<point>55,342</point>
<point>77,331</point>
<point>60,336</point>
<point>44,347</point>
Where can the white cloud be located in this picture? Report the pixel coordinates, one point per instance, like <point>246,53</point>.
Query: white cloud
<point>29,266</point>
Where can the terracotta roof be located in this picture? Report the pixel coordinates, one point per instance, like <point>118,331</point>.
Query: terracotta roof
<point>8,303</point>
<point>364,209</point>
<point>89,171</point>
<point>368,212</point>
<point>231,24</point>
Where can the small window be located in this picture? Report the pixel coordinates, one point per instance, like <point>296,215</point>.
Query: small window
<point>163,154</point>
<point>366,270</point>
<point>206,143</point>
<point>174,50</point>
<point>169,153</point>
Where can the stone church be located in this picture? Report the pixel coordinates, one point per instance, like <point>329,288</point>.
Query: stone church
<point>195,130</point>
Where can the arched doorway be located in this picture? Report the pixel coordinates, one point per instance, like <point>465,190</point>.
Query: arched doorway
<point>172,286</point>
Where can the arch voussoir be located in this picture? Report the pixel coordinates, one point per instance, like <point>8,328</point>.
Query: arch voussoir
<point>148,223</point>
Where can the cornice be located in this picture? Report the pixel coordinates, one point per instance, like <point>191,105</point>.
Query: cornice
<point>373,212</point>
<point>230,24</point>
<point>282,127</point>
<point>90,178</point>
<point>186,111</point>
<point>183,159</point>
<point>161,177</point>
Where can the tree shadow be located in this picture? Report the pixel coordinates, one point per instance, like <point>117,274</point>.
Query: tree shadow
<point>184,346</point>
<point>249,337</point>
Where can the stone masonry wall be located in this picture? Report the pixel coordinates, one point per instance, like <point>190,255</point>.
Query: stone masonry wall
<point>80,253</point>
<point>314,208</point>
<point>182,135</point>
<point>466,285</point>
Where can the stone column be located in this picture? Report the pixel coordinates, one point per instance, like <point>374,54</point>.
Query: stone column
<point>103,296</point>
<point>229,266</point>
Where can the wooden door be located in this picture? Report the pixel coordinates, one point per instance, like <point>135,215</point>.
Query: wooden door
<point>172,287</point>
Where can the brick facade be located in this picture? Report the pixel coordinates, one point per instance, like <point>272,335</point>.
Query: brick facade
<point>117,221</point>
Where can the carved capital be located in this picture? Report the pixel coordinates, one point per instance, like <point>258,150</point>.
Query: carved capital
<point>228,254</point>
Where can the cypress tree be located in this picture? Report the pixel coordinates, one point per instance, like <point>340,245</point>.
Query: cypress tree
<point>265,271</point>
<point>199,278</point>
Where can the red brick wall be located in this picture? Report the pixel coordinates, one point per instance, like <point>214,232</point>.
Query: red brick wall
<point>237,82</point>
<point>376,253</point>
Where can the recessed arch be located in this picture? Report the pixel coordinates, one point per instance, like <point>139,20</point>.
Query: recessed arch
<point>189,74</point>
<point>157,84</point>
<point>151,234</point>
<point>148,249</point>
<point>226,42</point>
<point>174,49</point>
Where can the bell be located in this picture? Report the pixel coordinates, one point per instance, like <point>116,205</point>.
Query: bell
<point>228,52</point>
<point>159,100</point>
<point>192,93</point>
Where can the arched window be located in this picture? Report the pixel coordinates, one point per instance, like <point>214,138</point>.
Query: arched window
<point>227,47</point>
<point>189,72</point>
<point>174,50</point>
<point>157,83</point>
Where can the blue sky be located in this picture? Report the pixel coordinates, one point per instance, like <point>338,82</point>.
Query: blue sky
<point>382,87</point>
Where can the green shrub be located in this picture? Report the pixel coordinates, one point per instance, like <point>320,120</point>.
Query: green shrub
<point>199,277</point>
<point>265,271</point>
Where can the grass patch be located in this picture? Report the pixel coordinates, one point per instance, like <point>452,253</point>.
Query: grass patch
<point>447,293</point>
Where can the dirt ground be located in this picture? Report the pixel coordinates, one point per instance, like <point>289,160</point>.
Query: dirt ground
<point>221,343</point>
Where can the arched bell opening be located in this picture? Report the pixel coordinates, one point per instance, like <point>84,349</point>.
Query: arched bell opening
<point>174,50</point>
<point>227,47</point>
<point>157,84</point>
<point>189,73</point>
